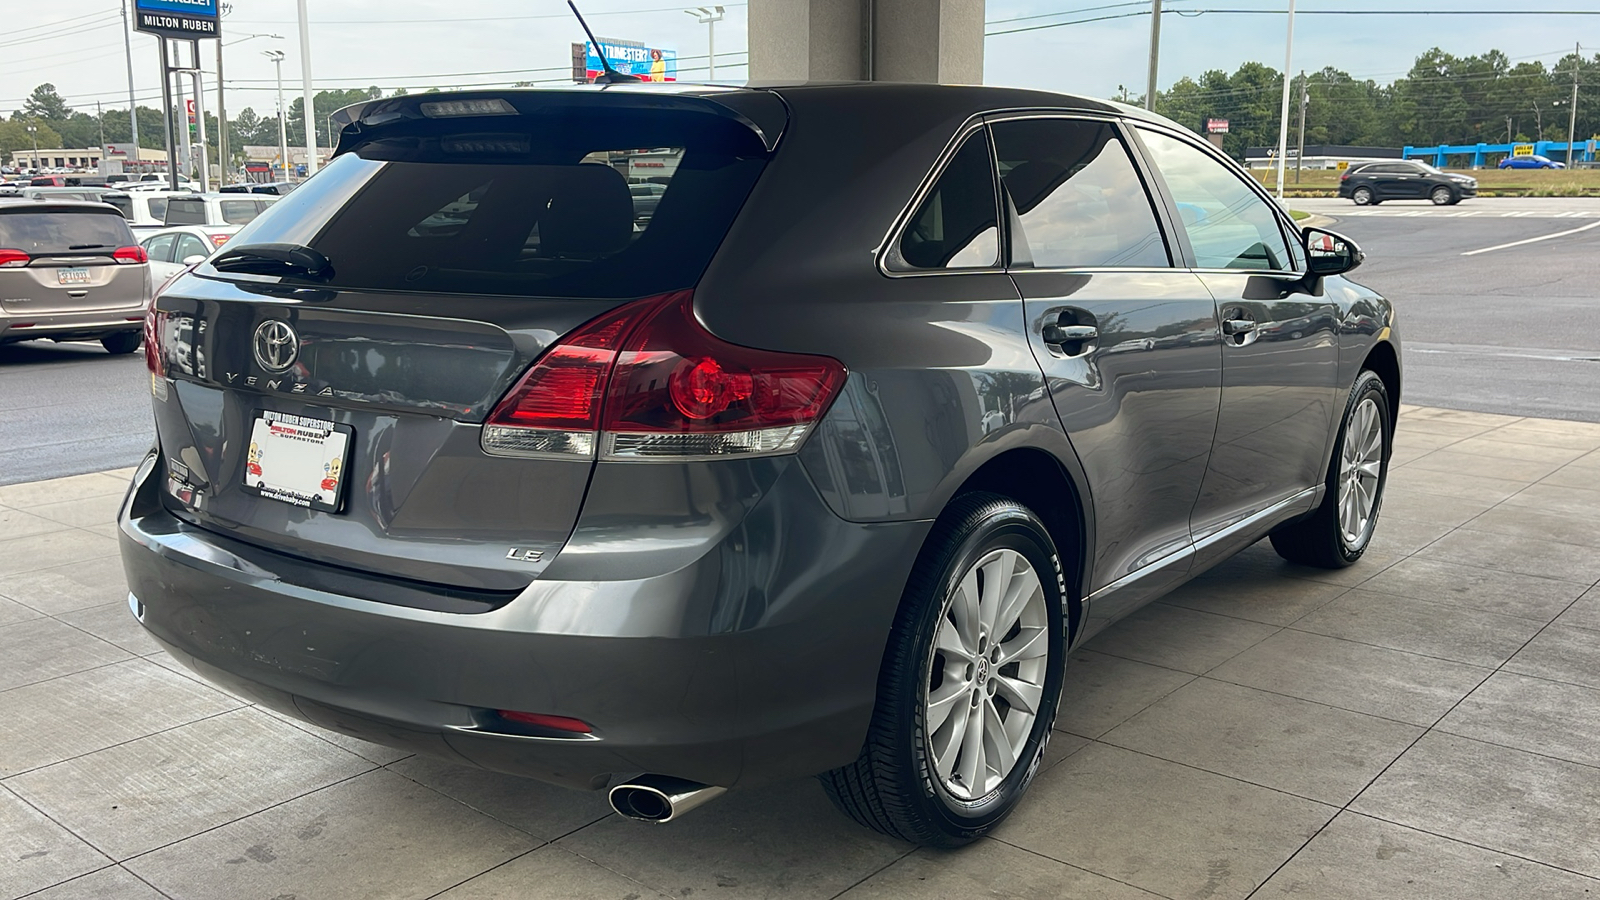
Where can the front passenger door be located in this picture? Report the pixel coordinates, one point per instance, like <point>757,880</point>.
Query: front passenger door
<point>1280,349</point>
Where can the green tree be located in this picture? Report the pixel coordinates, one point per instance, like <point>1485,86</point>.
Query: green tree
<point>44,103</point>
<point>14,136</point>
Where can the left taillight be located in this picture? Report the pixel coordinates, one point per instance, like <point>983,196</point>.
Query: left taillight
<point>11,259</point>
<point>647,381</point>
<point>130,256</point>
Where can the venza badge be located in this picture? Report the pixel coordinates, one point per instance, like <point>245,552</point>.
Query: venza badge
<point>276,345</point>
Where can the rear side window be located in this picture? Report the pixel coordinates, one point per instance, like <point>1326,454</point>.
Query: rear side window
<point>189,245</point>
<point>185,211</point>
<point>158,207</point>
<point>1077,196</point>
<point>63,231</point>
<point>541,209</point>
<point>123,203</point>
<point>1230,226</point>
<point>240,212</point>
<point>955,227</point>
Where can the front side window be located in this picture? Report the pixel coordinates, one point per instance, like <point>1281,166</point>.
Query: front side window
<point>1077,195</point>
<point>1229,225</point>
<point>956,226</point>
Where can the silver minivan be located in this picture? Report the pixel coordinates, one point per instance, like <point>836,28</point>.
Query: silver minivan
<point>71,271</point>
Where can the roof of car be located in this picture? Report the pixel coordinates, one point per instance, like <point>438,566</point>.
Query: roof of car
<point>951,98</point>
<point>25,205</point>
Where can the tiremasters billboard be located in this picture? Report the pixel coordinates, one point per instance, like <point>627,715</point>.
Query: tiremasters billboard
<point>178,18</point>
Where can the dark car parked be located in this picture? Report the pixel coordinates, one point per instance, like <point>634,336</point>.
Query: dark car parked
<point>901,393</point>
<point>1373,183</point>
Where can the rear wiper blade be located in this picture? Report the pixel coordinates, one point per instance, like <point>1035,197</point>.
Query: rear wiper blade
<point>274,259</point>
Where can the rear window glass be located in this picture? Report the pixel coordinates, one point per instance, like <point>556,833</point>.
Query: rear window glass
<point>62,231</point>
<point>184,211</point>
<point>123,203</point>
<point>158,207</point>
<point>546,209</point>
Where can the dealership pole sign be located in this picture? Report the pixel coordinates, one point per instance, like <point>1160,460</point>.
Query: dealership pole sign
<point>186,19</point>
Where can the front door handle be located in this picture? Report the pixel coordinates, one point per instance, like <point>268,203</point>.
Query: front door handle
<point>1062,334</point>
<point>1234,327</point>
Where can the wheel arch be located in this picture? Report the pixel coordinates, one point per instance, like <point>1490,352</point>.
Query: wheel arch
<point>1038,480</point>
<point>1385,362</point>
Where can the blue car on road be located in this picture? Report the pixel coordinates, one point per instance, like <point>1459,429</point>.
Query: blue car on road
<point>1530,162</point>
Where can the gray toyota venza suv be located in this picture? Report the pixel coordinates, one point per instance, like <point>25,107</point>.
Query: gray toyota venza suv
<point>899,393</point>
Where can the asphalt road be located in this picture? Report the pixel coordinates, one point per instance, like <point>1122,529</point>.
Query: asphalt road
<point>1514,330</point>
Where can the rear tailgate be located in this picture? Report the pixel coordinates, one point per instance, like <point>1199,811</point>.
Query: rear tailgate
<point>456,257</point>
<point>70,266</point>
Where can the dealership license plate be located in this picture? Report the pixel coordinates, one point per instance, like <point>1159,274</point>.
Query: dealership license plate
<point>297,460</point>
<point>72,275</point>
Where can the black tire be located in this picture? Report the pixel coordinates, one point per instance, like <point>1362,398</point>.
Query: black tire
<point>1364,196</point>
<point>1318,540</point>
<point>122,342</point>
<point>892,786</point>
<point>1442,196</point>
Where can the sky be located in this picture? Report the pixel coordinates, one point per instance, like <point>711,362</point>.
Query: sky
<point>77,44</point>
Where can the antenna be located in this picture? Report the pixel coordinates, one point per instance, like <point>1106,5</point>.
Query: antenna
<point>611,76</point>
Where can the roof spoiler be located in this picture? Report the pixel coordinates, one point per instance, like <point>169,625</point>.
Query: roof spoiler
<point>760,111</point>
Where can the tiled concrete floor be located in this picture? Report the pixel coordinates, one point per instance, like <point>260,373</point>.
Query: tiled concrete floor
<point>1423,725</point>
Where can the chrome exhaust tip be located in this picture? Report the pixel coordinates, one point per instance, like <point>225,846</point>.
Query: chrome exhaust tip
<point>660,798</point>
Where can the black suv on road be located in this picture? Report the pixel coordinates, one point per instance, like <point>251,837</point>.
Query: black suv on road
<point>1369,184</point>
<point>899,394</point>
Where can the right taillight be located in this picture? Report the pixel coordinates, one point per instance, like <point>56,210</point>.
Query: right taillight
<point>650,383</point>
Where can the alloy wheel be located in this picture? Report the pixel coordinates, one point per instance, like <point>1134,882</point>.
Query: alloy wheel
<point>1360,465</point>
<point>1362,196</point>
<point>986,674</point>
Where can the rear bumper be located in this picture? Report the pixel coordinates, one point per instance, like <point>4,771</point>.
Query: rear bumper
<point>757,661</point>
<point>70,325</point>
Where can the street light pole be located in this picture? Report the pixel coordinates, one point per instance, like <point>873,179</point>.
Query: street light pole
<point>283,129</point>
<point>133,109</point>
<point>709,16</point>
<point>1283,111</point>
<point>305,90</point>
<point>33,132</point>
<point>1155,53</point>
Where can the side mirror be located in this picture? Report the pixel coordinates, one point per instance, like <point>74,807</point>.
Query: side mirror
<point>193,260</point>
<point>1330,254</point>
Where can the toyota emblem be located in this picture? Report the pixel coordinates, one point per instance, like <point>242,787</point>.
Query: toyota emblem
<point>276,345</point>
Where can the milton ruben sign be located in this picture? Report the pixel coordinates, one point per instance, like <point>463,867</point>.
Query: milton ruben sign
<point>189,19</point>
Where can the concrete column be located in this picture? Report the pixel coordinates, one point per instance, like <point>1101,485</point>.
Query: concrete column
<point>867,40</point>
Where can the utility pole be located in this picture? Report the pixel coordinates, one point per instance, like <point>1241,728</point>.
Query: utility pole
<point>1283,111</point>
<point>100,116</point>
<point>1572,114</point>
<point>305,90</point>
<point>1155,53</point>
<point>133,109</point>
<point>1508,129</point>
<point>283,128</point>
<point>1305,100</point>
<point>224,160</point>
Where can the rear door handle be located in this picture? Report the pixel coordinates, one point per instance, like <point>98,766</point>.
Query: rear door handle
<point>1062,334</point>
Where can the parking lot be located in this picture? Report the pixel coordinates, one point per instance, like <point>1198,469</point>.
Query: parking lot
<point>1420,725</point>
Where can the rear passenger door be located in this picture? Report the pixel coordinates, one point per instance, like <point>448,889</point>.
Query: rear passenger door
<point>1280,347</point>
<point>1127,340</point>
